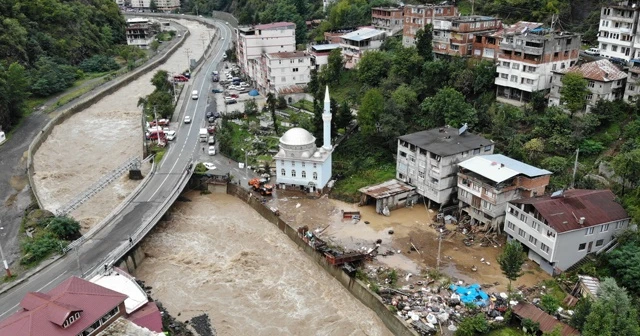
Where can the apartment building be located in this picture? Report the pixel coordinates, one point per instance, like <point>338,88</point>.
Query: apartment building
<point>357,42</point>
<point>429,160</point>
<point>284,71</point>
<point>388,19</point>
<point>633,81</point>
<point>559,230</point>
<point>320,53</point>
<point>617,32</point>
<point>486,183</point>
<point>163,5</point>
<point>486,45</point>
<point>417,17</point>
<point>253,41</point>
<point>139,33</point>
<point>455,35</point>
<point>527,59</point>
<point>606,81</point>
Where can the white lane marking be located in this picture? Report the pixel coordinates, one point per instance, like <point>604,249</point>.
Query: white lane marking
<point>54,279</point>
<point>10,309</point>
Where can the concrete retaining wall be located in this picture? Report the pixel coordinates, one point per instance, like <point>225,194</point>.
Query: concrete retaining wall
<point>354,286</point>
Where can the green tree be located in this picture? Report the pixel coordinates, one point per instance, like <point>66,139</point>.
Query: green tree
<point>424,42</point>
<point>530,326</point>
<point>153,6</point>
<point>573,93</point>
<point>63,227</point>
<point>534,147</point>
<point>625,262</point>
<point>271,104</point>
<point>344,116</point>
<point>627,166</point>
<point>406,64</point>
<point>334,68</point>
<point>435,75</point>
<point>484,74</point>
<point>580,313</point>
<point>154,45</point>
<point>406,100</point>
<point>51,77</point>
<point>555,164</point>
<point>612,313</point>
<point>549,303</point>
<point>473,325</point>
<point>447,107</point>
<point>371,108</point>
<point>160,81</point>
<point>511,260</point>
<point>373,67</point>
<point>14,90</point>
<point>251,107</point>
<point>557,331</point>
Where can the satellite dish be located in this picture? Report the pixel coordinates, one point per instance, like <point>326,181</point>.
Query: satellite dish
<point>463,129</point>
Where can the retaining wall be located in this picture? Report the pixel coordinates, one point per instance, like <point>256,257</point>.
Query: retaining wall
<point>358,289</point>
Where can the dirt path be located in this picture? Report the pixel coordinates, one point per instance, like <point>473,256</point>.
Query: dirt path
<point>218,256</point>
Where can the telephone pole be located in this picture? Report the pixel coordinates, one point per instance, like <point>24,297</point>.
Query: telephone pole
<point>575,169</point>
<point>4,261</point>
<point>203,39</point>
<point>187,51</point>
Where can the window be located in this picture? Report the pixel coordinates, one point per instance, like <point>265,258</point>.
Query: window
<point>476,151</point>
<point>282,162</point>
<point>293,173</point>
<point>529,81</point>
<point>314,165</point>
<point>614,48</point>
<point>582,246</point>
<point>293,163</point>
<point>591,84</point>
<point>304,174</point>
<point>523,217</point>
<point>487,148</point>
<point>589,97</point>
<point>515,66</point>
<point>511,226</point>
<point>554,67</point>
<point>315,175</point>
<point>604,228</point>
<point>303,164</point>
<point>504,76</point>
<point>420,174</point>
<point>283,172</point>
<point>631,87</point>
<point>599,242</point>
<point>486,205</point>
<point>514,78</point>
<point>544,248</point>
<point>588,231</point>
<point>295,69</point>
<point>505,64</point>
<point>534,225</point>
<point>551,234</point>
<point>533,240</point>
<point>521,233</point>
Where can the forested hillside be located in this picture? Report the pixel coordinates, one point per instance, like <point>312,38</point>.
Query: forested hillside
<point>43,44</point>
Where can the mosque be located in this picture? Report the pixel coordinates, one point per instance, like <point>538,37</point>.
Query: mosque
<point>299,163</point>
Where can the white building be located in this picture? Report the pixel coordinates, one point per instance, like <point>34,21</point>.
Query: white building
<point>606,82</point>
<point>320,53</point>
<point>139,32</point>
<point>299,162</point>
<point>252,42</point>
<point>163,5</point>
<point>559,230</point>
<point>285,72</point>
<point>617,32</point>
<point>357,42</point>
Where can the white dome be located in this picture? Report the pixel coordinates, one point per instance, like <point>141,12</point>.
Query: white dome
<point>316,154</point>
<point>305,155</point>
<point>297,137</point>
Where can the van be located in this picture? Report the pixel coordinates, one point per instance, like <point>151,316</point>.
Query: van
<point>194,94</point>
<point>212,140</point>
<point>592,51</point>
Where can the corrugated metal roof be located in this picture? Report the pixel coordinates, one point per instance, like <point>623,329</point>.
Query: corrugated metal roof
<point>547,322</point>
<point>325,47</point>
<point>362,34</point>
<point>600,70</point>
<point>499,168</point>
<point>590,283</point>
<point>562,213</point>
<point>387,189</point>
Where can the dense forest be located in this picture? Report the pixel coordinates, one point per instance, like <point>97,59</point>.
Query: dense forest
<point>46,45</point>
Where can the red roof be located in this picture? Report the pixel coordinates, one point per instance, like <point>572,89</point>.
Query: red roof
<point>547,322</point>
<point>148,316</point>
<point>601,70</point>
<point>44,313</point>
<point>563,213</point>
<point>276,25</point>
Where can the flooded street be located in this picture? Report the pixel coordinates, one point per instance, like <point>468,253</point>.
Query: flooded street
<point>216,255</point>
<point>99,139</point>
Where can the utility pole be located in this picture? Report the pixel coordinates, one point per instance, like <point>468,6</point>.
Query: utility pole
<point>439,249</point>
<point>203,39</point>
<point>575,169</point>
<point>187,51</point>
<point>4,261</point>
<point>155,117</point>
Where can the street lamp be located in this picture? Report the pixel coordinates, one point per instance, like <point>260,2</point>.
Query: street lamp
<point>245,162</point>
<point>4,261</point>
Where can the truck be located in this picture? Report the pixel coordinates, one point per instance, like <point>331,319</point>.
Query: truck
<point>260,185</point>
<point>203,135</point>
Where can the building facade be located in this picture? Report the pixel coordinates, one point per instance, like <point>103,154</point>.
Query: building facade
<point>559,230</point>
<point>429,160</point>
<point>388,19</point>
<point>486,183</point>
<point>253,41</point>
<point>455,35</point>
<point>486,45</point>
<point>632,89</point>
<point>139,32</point>
<point>527,59</point>
<point>617,32</point>
<point>279,71</point>
<point>606,82</point>
<point>357,42</point>
<point>163,5</point>
<point>299,162</point>
<point>417,17</point>
<point>320,54</point>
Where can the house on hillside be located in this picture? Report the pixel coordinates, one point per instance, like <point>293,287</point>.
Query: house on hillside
<point>388,19</point>
<point>559,230</point>
<point>139,32</point>
<point>416,17</point>
<point>357,42</point>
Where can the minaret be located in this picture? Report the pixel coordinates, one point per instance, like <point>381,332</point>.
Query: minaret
<point>326,118</point>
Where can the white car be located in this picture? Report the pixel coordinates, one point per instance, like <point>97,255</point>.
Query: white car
<point>209,165</point>
<point>187,119</point>
<point>592,51</point>
<point>171,135</point>
<point>244,85</point>
<point>212,150</point>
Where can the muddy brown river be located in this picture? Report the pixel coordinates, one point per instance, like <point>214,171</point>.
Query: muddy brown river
<point>216,255</point>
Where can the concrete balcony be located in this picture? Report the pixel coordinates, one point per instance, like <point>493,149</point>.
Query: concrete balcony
<point>614,41</point>
<point>617,18</point>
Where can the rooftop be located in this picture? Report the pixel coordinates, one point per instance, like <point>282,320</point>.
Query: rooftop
<point>590,283</point>
<point>547,322</point>
<point>290,54</point>
<point>445,141</point>
<point>386,189</point>
<point>276,25</point>
<point>601,70</point>
<point>471,18</point>
<point>325,47</point>
<point>362,34</point>
<point>518,27</point>
<point>563,212</point>
<point>499,168</point>
<point>391,9</point>
<point>123,283</point>
<point>138,20</point>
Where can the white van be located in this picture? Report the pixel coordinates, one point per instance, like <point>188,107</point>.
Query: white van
<point>194,94</point>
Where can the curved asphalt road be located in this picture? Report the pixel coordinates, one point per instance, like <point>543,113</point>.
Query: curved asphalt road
<point>143,206</point>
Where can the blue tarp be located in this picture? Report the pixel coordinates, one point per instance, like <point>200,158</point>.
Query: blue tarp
<point>253,93</point>
<point>471,294</point>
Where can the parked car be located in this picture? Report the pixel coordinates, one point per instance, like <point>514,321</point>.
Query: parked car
<point>209,165</point>
<point>618,61</point>
<point>180,78</point>
<point>161,122</point>
<point>234,95</point>
<point>592,51</point>
<point>212,140</point>
<point>229,100</point>
<point>211,129</point>
<point>212,120</point>
<point>216,91</point>
<point>171,135</point>
<point>243,84</point>
<point>187,119</point>
<point>212,150</point>
<point>209,115</point>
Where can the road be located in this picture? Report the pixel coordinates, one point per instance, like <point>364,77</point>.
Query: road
<point>143,206</point>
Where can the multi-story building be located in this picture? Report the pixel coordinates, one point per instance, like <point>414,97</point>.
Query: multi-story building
<point>617,33</point>
<point>559,230</point>
<point>320,53</point>
<point>163,5</point>
<point>253,41</point>
<point>487,45</point>
<point>455,35</point>
<point>429,160</point>
<point>357,42</point>
<point>139,32</point>
<point>633,82</point>
<point>486,183</point>
<point>417,17</point>
<point>284,70</point>
<point>388,19</point>
<point>606,82</point>
<point>527,59</point>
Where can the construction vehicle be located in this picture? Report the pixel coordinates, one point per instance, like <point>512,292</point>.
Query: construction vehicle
<point>260,185</point>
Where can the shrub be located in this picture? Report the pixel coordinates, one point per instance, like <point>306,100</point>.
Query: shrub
<point>39,248</point>
<point>473,325</point>
<point>63,227</point>
<point>99,63</point>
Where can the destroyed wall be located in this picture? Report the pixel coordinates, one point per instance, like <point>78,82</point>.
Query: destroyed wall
<point>354,286</point>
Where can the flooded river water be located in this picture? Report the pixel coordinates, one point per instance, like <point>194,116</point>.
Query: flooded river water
<point>218,256</point>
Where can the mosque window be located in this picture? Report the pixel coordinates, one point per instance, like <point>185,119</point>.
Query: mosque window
<point>293,173</point>
<point>283,172</point>
<point>304,174</point>
<point>315,175</point>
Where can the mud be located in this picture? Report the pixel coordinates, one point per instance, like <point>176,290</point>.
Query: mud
<point>97,140</point>
<point>217,256</point>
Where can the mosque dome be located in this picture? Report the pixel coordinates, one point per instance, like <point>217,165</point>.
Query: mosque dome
<point>305,155</point>
<point>297,137</point>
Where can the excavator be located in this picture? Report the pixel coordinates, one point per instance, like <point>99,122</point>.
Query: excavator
<point>260,185</point>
